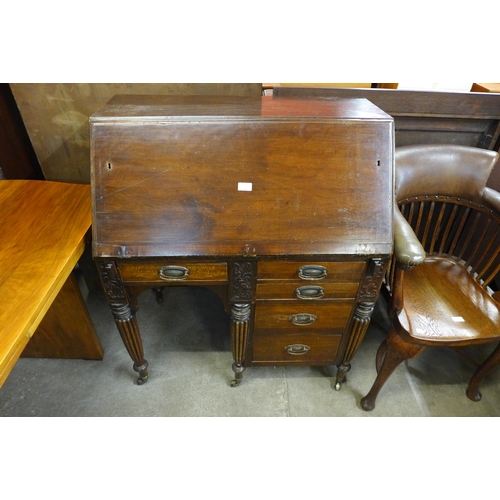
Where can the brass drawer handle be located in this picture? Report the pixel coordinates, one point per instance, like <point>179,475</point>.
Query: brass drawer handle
<point>297,349</point>
<point>303,319</point>
<point>312,272</point>
<point>309,292</point>
<point>173,272</point>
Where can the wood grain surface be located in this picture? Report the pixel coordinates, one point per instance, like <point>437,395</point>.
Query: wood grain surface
<point>44,225</point>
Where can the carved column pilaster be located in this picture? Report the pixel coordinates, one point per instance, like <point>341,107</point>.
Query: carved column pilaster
<point>243,281</point>
<point>240,321</point>
<point>366,299</point>
<point>112,283</point>
<point>242,296</point>
<point>124,309</point>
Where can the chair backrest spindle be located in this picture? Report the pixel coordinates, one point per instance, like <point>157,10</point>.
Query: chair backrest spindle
<point>464,216</point>
<point>457,229</point>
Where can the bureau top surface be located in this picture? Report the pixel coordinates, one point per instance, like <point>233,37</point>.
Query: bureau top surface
<point>252,177</point>
<point>160,107</point>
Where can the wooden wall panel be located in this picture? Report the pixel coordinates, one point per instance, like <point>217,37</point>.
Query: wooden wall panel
<point>56,116</point>
<point>422,117</point>
<point>17,156</point>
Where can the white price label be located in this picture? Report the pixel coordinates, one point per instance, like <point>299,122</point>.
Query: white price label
<point>244,186</point>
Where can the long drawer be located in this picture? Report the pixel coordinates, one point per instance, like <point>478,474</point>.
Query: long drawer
<point>173,272</point>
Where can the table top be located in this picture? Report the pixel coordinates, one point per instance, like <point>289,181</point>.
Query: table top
<point>123,108</point>
<point>43,235</point>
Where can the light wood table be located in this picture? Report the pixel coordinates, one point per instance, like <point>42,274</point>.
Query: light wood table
<point>44,229</point>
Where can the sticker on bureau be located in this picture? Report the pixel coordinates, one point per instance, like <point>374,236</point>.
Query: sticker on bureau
<point>244,186</point>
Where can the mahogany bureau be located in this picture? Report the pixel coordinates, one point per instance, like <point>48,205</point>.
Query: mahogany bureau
<point>281,206</point>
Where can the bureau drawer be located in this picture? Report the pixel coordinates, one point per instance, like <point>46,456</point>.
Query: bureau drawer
<point>313,348</point>
<point>310,271</point>
<point>162,272</point>
<point>300,317</point>
<point>300,291</point>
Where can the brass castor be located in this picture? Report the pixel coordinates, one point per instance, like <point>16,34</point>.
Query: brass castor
<point>238,374</point>
<point>143,373</point>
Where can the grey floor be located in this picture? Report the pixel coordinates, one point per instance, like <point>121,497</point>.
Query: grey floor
<point>187,344</point>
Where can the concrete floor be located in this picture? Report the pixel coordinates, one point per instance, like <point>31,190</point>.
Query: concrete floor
<point>186,341</point>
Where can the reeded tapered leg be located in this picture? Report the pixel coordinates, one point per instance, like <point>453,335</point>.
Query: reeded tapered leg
<point>240,321</point>
<point>124,308</point>
<point>128,327</point>
<point>360,323</point>
<point>367,297</point>
<point>485,369</point>
<point>396,351</point>
<point>242,294</point>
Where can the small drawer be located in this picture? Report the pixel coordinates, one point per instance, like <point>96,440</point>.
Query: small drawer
<point>310,271</point>
<point>286,315</point>
<point>314,348</point>
<point>173,272</point>
<point>270,290</point>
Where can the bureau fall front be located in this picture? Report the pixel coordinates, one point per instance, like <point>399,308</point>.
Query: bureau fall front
<point>281,206</point>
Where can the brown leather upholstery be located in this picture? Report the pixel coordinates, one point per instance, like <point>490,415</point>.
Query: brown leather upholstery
<point>407,249</point>
<point>491,198</point>
<point>459,171</point>
<point>438,169</point>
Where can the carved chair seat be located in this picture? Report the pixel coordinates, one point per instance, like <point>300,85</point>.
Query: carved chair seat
<point>443,303</point>
<point>446,256</point>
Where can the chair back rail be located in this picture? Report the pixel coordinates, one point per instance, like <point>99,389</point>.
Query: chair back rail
<point>459,229</point>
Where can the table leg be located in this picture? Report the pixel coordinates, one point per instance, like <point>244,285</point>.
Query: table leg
<point>360,322</point>
<point>242,292</point>
<point>240,321</point>
<point>128,327</point>
<point>367,297</point>
<point>124,309</point>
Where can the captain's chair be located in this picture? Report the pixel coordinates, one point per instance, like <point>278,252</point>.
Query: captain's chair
<point>446,256</point>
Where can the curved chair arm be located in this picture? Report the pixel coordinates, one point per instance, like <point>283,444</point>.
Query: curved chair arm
<point>407,249</point>
<point>491,198</point>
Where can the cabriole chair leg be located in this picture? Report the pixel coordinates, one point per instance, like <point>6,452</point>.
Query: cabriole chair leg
<point>396,351</point>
